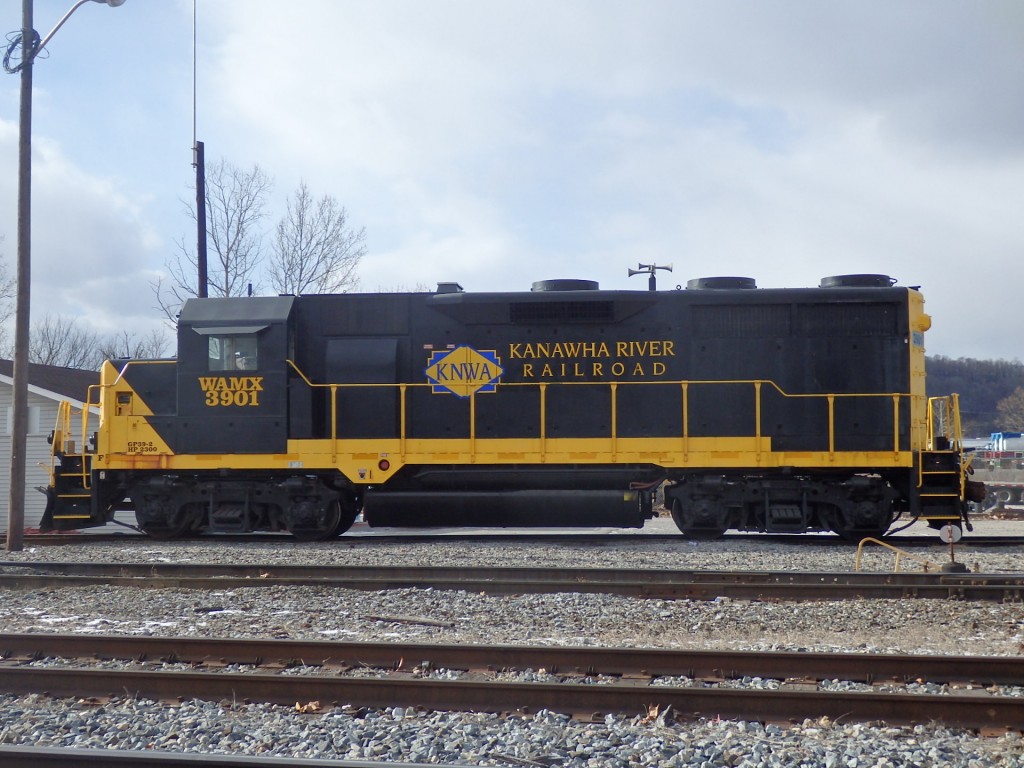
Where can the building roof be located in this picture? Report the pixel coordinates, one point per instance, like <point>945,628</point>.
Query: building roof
<point>72,383</point>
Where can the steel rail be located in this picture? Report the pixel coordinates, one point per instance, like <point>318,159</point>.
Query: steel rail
<point>667,584</point>
<point>796,703</point>
<point>650,662</point>
<point>69,757</point>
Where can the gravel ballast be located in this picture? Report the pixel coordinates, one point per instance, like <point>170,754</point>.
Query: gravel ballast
<point>547,739</point>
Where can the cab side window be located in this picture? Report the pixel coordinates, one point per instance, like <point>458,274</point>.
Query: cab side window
<point>235,352</point>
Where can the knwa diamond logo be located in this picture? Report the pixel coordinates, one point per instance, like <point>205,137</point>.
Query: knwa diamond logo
<point>464,371</point>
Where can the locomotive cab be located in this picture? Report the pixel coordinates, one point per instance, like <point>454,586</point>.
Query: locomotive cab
<point>227,466</point>
<point>233,376</point>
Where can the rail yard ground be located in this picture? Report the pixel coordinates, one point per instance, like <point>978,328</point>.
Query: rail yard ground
<point>544,738</point>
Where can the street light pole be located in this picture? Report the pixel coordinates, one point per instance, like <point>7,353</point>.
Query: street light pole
<point>19,404</point>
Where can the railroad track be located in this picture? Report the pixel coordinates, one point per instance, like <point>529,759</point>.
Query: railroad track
<point>647,583</point>
<point>390,536</point>
<point>592,681</point>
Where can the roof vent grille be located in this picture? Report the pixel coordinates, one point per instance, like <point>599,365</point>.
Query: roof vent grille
<point>562,312</point>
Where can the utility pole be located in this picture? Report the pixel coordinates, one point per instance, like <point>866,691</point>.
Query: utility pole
<point>19,404</point>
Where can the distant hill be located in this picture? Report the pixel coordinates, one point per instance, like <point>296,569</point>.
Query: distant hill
<point>981,384</point>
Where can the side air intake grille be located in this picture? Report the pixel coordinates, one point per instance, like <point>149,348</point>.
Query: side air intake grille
<point>771,320</point>
<point>562,312</point>
<point>848,320</point>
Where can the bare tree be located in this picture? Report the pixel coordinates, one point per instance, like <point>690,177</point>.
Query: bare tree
<point>67,343</point>
<point>315,251</point>
<point>402,288</point>
<point>128,344</point>
<point>8,289</point>
<point>235,202</point>
<point>1011,410</point>
<point>63,342</point>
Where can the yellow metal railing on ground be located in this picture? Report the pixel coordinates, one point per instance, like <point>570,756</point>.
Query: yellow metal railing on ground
<point>926,565</point>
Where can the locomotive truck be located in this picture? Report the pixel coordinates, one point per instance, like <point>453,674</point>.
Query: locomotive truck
<point>779,410</point>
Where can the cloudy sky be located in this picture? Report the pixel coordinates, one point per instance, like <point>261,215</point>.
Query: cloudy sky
<point>497,143</point>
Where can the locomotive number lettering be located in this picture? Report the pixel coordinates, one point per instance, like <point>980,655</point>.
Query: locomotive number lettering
<point>226,397</point>
<point>231,390</point>
<point>141,446</point>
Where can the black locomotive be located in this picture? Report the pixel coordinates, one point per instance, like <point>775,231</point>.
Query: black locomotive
<point>756,409</point>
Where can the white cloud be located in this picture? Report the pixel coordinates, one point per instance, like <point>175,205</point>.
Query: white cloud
<point>90,245</point>
<point>501,143</point>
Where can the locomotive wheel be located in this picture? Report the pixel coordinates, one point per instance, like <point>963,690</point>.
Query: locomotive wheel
<point>330,523</point>
<point>349,513</point>
<point>685,524</point>
<point>165,530</point>
<point>161,517</point>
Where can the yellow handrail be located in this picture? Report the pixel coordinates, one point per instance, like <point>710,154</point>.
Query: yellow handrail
<point>757,386</point>
<point>62,442</point>
<point>945,432</point>
<point>61,428</point>
<point>944,421</point>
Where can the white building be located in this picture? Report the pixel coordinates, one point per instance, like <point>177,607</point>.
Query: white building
<point>47,386</point>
